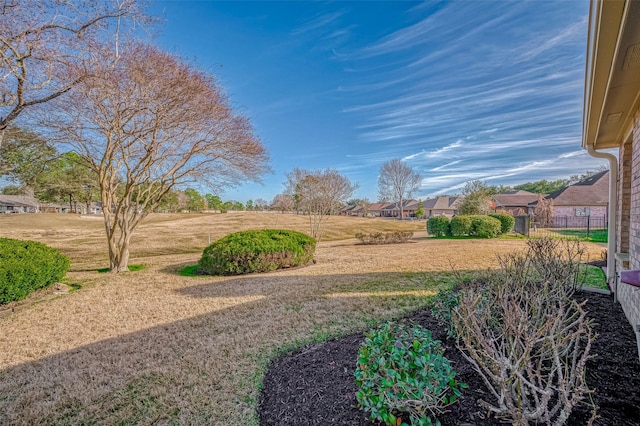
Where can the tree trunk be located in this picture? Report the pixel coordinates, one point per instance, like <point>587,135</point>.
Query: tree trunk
<point>70,204</point>
<point>120,262</point>
<point>119,249</point>
<point>119,225</point>
<point>400,207</point>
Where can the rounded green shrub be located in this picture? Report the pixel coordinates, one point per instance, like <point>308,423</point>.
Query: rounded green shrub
<point>403,376</point>
<point>506,220</point>
<point>485,227</point>
<point>257,251</point>
<point>460,225</point>
<point>438,226</point>
<point>26,266</point>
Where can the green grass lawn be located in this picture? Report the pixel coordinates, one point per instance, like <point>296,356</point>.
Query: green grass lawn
<point>593,276</point>
<point>132,268</point>
<point>595,235</point>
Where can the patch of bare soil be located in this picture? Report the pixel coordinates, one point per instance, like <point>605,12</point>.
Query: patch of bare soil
<point>315,386</point>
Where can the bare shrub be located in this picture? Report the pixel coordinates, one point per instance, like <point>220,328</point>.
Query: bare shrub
<point>543,212</point>
<point>526,337</point>
<point>395,237</point>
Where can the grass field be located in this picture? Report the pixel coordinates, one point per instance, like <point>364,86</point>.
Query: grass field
<point>155,347</point>
<point>593,236</point>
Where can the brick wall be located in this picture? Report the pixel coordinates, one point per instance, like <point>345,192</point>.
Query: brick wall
<point>624,198</point>
<point>629,296</point>
<point>570,211</point>
<point>634,222</point>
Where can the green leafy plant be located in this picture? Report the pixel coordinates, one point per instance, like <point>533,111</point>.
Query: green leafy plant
<point>506,221</point>
<point>257,251</point>
<point>460,225</point>
<point>438,226</point>
<point>26,266</point>
<point>485,227</point>
<point>442,307</point>
<point>403,376</point>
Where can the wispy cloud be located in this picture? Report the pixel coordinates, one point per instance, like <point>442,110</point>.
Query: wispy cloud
<point>321,21</point>
<point>445,149</point>
<point>546,43</point>
<point>445,166</point>
<point>512,115</point>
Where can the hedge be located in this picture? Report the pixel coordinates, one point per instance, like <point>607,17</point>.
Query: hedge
<point>26,266</point>
<point>257,251</point>
<point>485,227</point>
<point>460,225</point>
<point>438,226</point>
<point>506,220</point>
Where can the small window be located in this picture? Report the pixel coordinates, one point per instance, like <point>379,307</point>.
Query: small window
<point>582,211</point>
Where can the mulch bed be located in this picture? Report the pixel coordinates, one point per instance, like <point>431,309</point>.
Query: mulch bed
<point>315,386</point>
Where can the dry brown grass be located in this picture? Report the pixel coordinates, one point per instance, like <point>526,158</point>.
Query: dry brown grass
<point>152,347</point>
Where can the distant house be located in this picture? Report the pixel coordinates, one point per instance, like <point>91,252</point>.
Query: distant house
<point>93,208</point>
<point>347,210</point>
<point>353,210</point>
<point>53,208</point>
<point>409,208</point>
<point>587,198</point>
<point>516,202</point>
<point>18,204</point>
<point>378,209</point>
<point>443,205</point>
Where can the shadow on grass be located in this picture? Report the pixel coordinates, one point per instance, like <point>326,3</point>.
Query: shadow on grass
<point>205,367</point>
<point>189,269</point>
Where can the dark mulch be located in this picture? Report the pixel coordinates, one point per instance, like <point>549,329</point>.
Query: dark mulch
<point>315,386</point>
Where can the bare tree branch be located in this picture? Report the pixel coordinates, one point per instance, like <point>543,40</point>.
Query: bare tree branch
<point>148,123</point>
<point>397,182</point>
<point>47,46</point>
<point>319,193</point>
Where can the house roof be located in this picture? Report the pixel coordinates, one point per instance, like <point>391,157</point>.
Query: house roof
<point>593,191</point>
<point>612,83</point>
<point>406,204</point>
<point>377,206</point>
<point>443,202</point>
<point>515,198</point>
<point>18,200</point>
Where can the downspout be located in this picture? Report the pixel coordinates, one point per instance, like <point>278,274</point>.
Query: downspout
<point>612,215</point>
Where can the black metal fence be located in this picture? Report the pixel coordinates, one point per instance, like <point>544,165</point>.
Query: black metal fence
<point>592,228</point>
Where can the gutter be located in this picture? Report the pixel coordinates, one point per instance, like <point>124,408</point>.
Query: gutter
<point>612,215</point>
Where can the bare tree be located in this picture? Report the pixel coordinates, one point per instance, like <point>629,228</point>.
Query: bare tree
<point>46,47</point>
<point>397,182</point>
<point>543,212</point>
<point>283,202</point>
<point>321,193</point>
<point>147,123</point>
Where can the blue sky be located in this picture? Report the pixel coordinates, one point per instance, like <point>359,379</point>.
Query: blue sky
<point>465,90</point>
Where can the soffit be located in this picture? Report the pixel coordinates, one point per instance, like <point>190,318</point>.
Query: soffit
<point>612,92</point>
